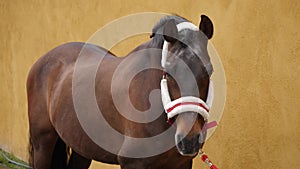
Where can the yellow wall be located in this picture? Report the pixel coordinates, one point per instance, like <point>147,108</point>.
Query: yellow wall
<point>257,40</point>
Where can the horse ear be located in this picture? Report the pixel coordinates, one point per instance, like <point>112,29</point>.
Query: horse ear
<point>206,26</point>
<point>170,31</point>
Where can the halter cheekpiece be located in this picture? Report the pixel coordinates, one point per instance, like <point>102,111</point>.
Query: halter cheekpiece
<point>186,103</point>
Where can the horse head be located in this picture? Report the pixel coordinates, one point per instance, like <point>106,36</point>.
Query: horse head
<point>186,84</point>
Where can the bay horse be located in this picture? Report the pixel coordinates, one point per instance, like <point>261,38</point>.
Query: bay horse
<point>176,50</point>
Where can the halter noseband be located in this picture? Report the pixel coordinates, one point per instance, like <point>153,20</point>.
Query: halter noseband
<point>186,103</point>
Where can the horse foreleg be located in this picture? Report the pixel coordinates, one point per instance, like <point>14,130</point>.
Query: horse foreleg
<point>43,147</point>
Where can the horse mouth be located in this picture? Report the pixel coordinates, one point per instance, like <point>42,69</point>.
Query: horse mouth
<point>188,147</point>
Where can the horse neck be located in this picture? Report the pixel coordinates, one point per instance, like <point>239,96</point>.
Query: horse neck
<point>151,51</point>
<point>142,84</point>
<point>144,62</point>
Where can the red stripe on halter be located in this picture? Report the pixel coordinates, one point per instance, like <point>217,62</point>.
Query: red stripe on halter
<point>187,103</point>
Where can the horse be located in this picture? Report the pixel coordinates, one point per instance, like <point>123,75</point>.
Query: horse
<point>179,65</point>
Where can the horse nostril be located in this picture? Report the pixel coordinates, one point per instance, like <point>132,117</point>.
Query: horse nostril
<point>179,142</point>
<point>179,138</point>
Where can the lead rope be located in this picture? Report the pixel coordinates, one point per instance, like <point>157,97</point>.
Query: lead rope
<point>205,159</point>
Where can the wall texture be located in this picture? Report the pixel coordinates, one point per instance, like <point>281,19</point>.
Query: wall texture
<point>258,42</point>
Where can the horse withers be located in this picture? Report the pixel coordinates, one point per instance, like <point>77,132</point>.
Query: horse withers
<point>179,65</point>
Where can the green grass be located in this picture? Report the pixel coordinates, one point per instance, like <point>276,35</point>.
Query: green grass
<point>5,162</point>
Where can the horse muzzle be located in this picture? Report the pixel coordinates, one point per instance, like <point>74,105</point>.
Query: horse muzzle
<point>188,146</point>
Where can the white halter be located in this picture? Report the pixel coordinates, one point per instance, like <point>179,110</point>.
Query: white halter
<point>186,103</point>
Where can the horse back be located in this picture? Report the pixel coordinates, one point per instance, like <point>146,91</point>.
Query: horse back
<point>56,65</point>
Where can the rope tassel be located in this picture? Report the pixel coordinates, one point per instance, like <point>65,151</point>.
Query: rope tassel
<point>205,159</point>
